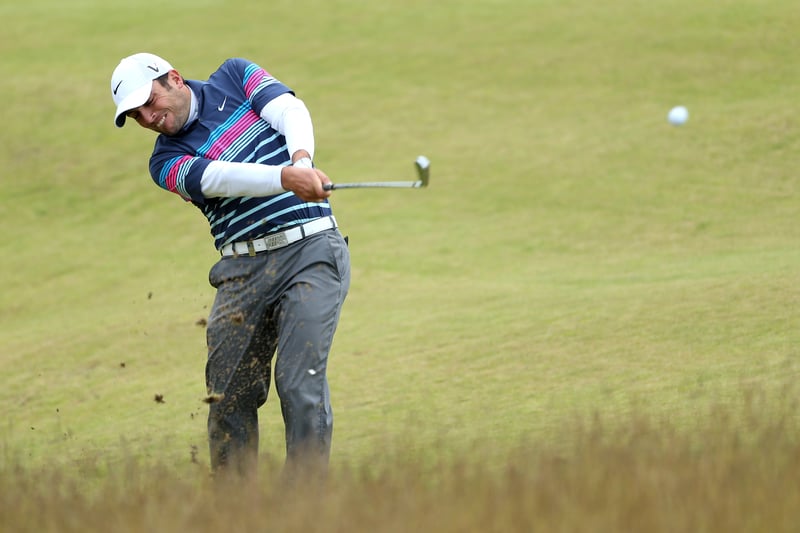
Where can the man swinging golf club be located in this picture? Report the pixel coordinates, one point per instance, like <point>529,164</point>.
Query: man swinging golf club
<point>239,146</point>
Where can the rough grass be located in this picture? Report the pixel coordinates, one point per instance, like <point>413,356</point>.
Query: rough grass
<point>735,470</point>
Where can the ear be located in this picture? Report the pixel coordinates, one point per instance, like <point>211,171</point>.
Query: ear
<point>176,78</point>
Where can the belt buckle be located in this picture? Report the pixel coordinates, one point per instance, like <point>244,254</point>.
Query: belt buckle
<point>279,240</point>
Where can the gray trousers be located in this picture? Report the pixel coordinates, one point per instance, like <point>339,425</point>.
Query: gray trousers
<point>285,301</point>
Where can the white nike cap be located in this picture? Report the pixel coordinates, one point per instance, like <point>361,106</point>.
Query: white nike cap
<point>132,82</point>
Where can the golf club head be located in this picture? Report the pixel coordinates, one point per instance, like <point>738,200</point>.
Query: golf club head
<point>423,169</point>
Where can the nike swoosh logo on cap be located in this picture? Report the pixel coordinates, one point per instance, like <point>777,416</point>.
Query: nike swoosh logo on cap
<point>153,67</point>
<point>117,87</point>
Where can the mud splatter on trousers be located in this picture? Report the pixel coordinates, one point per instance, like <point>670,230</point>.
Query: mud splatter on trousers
<point>282,306</point>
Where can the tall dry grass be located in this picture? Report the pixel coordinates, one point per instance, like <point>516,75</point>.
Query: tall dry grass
<point>736,468</point>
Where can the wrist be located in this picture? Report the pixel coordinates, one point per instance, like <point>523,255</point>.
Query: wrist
<point>303,162</point>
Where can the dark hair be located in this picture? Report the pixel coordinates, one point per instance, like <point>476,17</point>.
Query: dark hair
<point>163,80</point>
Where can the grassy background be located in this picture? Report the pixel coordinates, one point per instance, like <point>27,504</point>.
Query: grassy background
<point>575,254</point>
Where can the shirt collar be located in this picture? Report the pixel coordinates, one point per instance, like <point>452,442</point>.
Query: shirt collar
<point>193,111</point>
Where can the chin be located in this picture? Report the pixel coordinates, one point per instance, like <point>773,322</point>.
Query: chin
<point>168,130</point>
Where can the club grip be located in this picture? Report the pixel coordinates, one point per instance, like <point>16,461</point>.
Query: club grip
<point>328,187</point>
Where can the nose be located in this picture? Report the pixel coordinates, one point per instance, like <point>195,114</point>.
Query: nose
<point>147,115</point>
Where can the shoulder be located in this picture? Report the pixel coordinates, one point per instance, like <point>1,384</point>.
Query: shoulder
<point>164,148</point>
<point>235,65</point>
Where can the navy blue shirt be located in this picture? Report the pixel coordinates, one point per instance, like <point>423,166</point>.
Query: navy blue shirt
<point>229,128</point>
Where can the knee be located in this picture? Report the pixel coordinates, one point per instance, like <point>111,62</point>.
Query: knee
<point>308,405</point>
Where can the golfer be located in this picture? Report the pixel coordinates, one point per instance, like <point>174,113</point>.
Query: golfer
<point>240,147</point>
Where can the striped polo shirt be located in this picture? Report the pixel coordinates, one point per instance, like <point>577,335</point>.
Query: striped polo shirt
<point>228,128</point>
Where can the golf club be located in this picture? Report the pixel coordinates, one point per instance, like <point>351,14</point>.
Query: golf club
<point>422,164</point>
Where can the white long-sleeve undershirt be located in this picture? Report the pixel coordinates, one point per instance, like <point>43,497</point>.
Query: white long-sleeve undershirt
<point>290,117</point>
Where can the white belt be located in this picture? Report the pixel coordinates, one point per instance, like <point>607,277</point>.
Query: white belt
<point>280,239</point>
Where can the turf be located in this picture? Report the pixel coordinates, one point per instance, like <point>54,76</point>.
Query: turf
<point>574,253</point>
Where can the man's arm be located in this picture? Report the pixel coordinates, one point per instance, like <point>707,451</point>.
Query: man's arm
<point>290,117</point>
<point>227,179</point>
<point>230,179</point>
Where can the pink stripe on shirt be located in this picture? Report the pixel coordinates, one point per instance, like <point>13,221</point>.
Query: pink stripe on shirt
<point>231,135</point>
<point>254,80</point>
<point>172,175</point>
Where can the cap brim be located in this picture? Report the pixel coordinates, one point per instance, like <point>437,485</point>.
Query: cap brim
<point>132,101</point>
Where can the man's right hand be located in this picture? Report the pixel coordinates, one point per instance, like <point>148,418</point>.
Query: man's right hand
<point>306,183</point>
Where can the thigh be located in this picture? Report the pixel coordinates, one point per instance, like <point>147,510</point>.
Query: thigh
<point>241,339</point>
<point>309,308</point>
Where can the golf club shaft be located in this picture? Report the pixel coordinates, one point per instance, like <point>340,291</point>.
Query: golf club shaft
<point>422,165</point>
<point>374,184</point>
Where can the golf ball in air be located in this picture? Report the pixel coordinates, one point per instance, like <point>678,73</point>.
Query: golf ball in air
<point>678,115</point>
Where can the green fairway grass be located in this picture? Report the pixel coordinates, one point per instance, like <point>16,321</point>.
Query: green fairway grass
<point>574,256</point>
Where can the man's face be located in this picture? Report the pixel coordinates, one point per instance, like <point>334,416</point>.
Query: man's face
<point>167,109</point>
